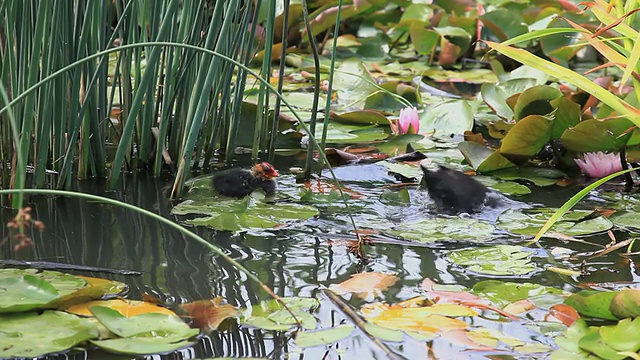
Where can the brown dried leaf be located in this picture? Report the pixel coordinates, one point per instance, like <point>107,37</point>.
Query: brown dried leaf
<point>365,285</point>
<point>208,314</point>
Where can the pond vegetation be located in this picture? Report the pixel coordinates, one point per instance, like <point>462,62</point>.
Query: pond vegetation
<point>437,179</point>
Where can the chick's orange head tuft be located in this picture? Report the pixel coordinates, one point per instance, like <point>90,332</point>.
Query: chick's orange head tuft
<point>266,170</point>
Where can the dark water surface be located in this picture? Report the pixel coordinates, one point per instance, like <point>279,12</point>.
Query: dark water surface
<point>295,261</point>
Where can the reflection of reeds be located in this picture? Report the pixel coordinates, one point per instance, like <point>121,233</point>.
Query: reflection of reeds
<point>85,96</point>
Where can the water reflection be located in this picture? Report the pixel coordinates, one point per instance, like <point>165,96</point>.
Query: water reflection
<point>296,261</point>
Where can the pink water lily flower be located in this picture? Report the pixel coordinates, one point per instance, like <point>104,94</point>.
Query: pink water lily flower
<point>598,164</point>
<point>408,122</point>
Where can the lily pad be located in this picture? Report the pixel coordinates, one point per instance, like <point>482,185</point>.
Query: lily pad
<point>494,260</point>
<point>30,335</point>
<point>538,176</point>
<point>511,188</point>
<point>271,315</point>
<point>142,334</point>
<point>233,215</point>
<point>445,229</point>
<point>503,293</point>
<point>338,133</point>
<point>597,135</point>
<point>526,138</point>
<point>452,117</point>
<point>593,303</point>
<point>483,159</point>
<point>28,289</point>
<point>529,222</point>
<point>329,336</point>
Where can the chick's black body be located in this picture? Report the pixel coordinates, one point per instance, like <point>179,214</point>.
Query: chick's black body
<point>453,191</point>
<point>242,182</point>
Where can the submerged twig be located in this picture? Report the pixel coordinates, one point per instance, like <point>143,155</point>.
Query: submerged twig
<point>357,321</point>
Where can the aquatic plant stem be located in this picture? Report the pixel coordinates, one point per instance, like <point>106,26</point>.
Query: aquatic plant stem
<point>18,177</point>
<point>163,220</point>
<point>316,89</point>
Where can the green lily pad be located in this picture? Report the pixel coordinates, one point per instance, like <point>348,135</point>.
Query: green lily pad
<point>494,260</point>
<point>593,303</point>
<point>503,293</point>
<point>529,222</point>
<point>406,170</point>
<point>338,133</point>
<point>140,345</point>
<point>445,229</point>
<point>353,83</point>
<point>511,188</point>
<point>160,325</point>
<point>568,342</point>
<point>233,214</point>
<point>483,159</point>
<point>535,101</point>
<point>526,138</point>
<point>306,339</point>
<point>597,135</point>
<point>271,315</point>
<point>28,289</point>
<point>30,335</point>
<point>538,176</point>
<point>625,336</point>
<point>360,117</point>
<point>398,144</point>
<point>595,344</point>
<point>626,219</point>
<point>384,333</point>
<point>452,117</point>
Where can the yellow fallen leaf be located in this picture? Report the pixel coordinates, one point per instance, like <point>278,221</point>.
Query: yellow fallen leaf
<point>127,308</point>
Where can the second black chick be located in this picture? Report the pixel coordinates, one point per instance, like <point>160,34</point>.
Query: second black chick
<point>453,191</point>
<point>242,182</point>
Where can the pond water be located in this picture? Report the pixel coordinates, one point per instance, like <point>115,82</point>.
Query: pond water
<point>297,260</point>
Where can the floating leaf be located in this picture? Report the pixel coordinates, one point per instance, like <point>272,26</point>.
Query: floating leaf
<point>164,327</point>
<point>452,117</point>
<point>208,314</point>
<point>626,304</point>
<point>365,285</point>
<point>31,335</point>
<point>383,333</point>
<point>597,135</point>
<point>28,289</point>
<point>270,315</point>
<point>306,339</point>
<point>593,303</point>
<point>140,345</point>
<point>360,117</point>
<point>502,293</point>
<point>529,221</point>
<point>432,230</point>
<point>526,138</point>
<point>125,307</point>
<point>426,320</point>
<point>538,176</point>
<point>568,342</point>
<point>232,215</point>
<point>494,260</point>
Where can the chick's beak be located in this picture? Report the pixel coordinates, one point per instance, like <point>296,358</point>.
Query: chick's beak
<point>268,170</point>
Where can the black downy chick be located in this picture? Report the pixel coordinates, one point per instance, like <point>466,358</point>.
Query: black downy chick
<point>453,192</point>
<point>242,182</point>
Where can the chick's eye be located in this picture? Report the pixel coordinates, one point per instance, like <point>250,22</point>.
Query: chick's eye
<point>267,167</point>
